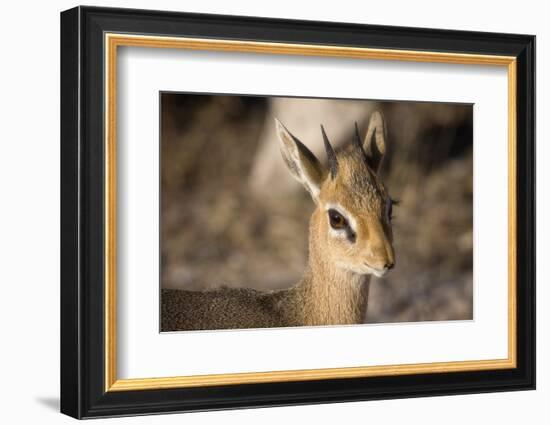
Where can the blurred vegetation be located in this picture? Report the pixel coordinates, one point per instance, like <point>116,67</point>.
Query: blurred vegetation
<point>215,233</point>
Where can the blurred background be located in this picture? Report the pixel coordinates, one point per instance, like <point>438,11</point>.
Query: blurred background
<point>231,215</point>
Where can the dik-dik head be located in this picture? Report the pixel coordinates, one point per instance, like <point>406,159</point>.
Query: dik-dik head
<point>351,225</point>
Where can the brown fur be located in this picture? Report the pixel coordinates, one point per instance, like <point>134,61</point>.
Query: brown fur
<point>334,288</point>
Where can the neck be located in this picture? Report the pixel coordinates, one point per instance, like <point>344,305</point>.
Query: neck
<point>331,295</point>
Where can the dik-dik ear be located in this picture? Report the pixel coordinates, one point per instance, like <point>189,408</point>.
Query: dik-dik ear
<point>374,144</point>
<point>301,162</point>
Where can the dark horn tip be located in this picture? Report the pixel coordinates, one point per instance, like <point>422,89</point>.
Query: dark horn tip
<point>331,155</point>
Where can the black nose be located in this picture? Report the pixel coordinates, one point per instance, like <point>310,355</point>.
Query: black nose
<point>389,266</point>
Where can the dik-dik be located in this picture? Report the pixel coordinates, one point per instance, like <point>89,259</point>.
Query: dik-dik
<point>350,239</point>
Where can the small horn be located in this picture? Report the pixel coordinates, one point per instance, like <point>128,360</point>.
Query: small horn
<point>357,139</point>
<point>331,155</point>
<point>358,144</point>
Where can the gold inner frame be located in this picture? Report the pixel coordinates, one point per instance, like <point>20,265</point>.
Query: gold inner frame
<point>113,41</point>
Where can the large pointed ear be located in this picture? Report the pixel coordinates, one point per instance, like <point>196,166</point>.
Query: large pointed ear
<point>374,144</point>
<point>302,164</point>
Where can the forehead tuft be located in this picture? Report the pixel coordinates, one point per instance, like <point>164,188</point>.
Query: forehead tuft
<point>356,183</point>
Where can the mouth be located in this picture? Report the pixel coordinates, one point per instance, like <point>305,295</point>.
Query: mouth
<point>376,271</point>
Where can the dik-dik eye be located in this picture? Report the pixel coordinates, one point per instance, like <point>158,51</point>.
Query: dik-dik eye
<point>337,220</point>
<point>389,208</point>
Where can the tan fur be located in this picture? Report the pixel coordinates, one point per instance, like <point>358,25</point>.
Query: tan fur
<point>334,288</point>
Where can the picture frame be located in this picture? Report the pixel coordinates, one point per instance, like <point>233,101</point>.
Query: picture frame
<point>90,40</point>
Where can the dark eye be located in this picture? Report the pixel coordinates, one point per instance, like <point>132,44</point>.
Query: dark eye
<point>337,221</point>
<point>389,208</point>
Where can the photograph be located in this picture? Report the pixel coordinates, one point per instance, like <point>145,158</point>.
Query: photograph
<point>286,211</point>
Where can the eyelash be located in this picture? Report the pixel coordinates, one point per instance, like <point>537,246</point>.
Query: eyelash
<point>391,203</point>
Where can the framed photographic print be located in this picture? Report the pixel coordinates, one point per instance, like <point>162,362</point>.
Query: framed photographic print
<point>261,212</point>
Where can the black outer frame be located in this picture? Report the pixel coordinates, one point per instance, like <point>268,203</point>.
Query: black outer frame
<point>82,217</point>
